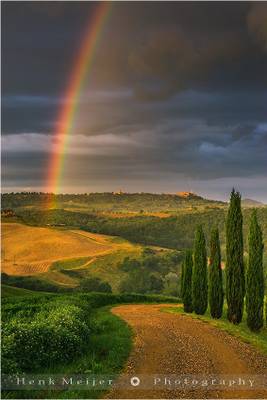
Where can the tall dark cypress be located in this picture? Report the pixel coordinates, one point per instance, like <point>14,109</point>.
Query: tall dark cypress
<point>255,276</point>
<point>215,276</point>
<point>235,274</point>
<point>182,279</point>
<point>187,282</point>
<point>199,276</point>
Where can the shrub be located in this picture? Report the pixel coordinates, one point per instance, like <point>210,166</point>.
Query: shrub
<point>56,334</point>
<point>54,328</point>
<point>94,284</point>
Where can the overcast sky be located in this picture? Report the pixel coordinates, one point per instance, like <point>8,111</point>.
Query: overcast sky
<point>176,99</point>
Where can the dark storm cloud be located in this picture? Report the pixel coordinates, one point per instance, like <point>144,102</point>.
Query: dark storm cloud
<point>257,23</point>
<point>177,92</point>
<point>175,44</point>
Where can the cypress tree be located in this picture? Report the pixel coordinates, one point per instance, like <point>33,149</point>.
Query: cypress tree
<point>235,274</point>
<point>187,282</point>
<point>215,276</point>
<point>255,276</point>
<point>199,275</point>
<point>182,279</point>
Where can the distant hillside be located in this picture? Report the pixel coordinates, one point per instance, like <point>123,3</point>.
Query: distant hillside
<point>251,203</point>
<point>112,202</point>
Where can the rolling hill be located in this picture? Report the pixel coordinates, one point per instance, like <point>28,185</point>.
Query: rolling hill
<point>251,203</point>
<point>62,256</point>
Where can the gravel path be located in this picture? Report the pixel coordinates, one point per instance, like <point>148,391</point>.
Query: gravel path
<point>174,344</point>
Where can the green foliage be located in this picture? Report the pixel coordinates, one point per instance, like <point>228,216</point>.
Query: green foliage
<point>187,282</point>
<point>147,275</point>
<point>199,276</point>
<point>216,293</point>
<point>182,279</point>
<point>129,264</point>
<point>94,284</point>
<point>255,276</point>
<point>142,281</point>
<point>57,333</point>
<point>31,283</point>
<point>42,331</point>
<point>235,274</point>
<point>171,284</point>
<point>10,291</point>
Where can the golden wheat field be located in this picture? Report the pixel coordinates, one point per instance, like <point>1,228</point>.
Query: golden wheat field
<point>31,250</point>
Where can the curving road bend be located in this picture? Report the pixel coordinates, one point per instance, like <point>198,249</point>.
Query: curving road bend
<point>174,344</point>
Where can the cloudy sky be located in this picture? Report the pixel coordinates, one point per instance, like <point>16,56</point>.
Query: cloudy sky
<point>176,98</point>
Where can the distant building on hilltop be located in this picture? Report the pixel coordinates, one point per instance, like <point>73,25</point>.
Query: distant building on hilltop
<point>186,195</point>
<point>119,192</point>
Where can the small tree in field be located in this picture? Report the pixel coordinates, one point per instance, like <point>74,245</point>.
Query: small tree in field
<point>255,276</point>
<point>215,276</point>
<point>235,274</point>
<point>187,282</point>
<point>199,276</point>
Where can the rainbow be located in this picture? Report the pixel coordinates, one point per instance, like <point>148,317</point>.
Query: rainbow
<point>66,116</point>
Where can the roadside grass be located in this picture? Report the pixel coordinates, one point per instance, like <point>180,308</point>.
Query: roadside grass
<point>111,342</point>
<point>259,340</point>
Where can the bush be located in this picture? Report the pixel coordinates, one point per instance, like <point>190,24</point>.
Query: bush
<point>94,284</point>
<point>171,284</point>
<point>56,333</point>
<point>31,283</point>
<point>42,331</point>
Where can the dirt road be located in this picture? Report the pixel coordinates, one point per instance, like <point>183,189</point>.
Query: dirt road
<point>173,344</point>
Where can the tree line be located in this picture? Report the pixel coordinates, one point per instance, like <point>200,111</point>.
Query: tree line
<point>202,282</point>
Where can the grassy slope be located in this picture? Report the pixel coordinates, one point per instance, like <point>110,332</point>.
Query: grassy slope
<point>11,291</point>
<point>258,340</point>
<point>104,266</point>
<point>30,250</point>
<point>94,254</point>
